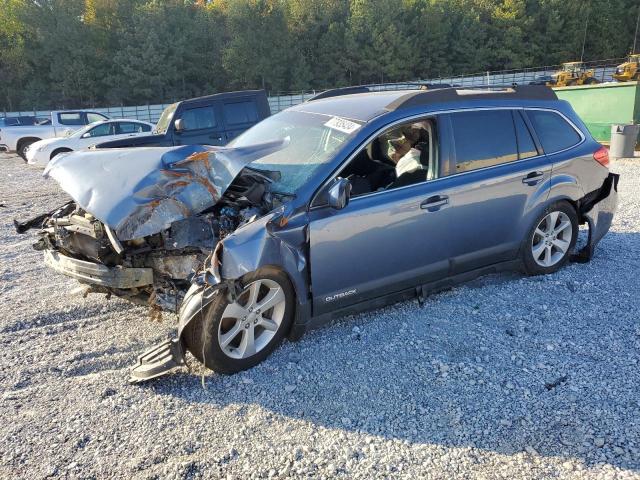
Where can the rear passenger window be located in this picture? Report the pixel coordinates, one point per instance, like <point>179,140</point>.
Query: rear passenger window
<point>199,118</point>
<point>240,112</point>
<point>554,132</point>
<point>483,139</point>
<point>526,147</point>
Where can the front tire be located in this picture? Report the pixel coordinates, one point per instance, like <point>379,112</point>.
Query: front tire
<point>550,240</point>
<point>22,148</point>
<point>229,337</point>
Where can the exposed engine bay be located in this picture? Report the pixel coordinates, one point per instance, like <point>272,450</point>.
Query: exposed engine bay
<point>153,269</point>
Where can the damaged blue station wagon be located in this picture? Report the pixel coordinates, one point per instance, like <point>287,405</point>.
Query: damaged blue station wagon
<point>345,202</point>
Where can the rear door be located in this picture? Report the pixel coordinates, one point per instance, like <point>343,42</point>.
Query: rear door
<point>498,179</point>
<point>201,126</point>
<point>239,115</point>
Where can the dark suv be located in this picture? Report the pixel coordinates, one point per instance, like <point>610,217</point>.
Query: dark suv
<point>211,120</point>
<point>338,204</point>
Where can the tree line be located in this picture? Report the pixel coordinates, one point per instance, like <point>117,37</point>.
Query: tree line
<point>82,53</point>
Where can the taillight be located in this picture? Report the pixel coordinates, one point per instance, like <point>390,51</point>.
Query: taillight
<point>602,156</point>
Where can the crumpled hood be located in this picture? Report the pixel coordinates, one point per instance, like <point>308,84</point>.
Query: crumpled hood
<point>142,191</point>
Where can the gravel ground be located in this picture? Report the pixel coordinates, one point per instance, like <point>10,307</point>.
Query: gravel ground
<point>505,377</point>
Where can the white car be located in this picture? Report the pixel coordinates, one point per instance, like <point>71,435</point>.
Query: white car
<point>39,153</point>
<point>59,124</point>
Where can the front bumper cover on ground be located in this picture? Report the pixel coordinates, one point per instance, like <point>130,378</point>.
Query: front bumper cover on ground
<point>96,274</point>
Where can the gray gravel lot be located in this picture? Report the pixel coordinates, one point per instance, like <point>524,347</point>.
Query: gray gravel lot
<point>505,377</point>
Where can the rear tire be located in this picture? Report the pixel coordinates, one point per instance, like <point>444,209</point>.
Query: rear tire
<point>591,81</point>
<point>550,240</point>
<point>230,337</point>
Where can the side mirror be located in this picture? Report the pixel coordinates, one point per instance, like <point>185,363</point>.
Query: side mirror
<point>179,125</point>
<point>339,194</point>
<point>86,135</point>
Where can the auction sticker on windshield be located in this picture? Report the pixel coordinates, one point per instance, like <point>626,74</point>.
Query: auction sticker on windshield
<point>342,124</point>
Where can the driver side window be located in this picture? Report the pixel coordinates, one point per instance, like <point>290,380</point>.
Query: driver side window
<point>403,155</point>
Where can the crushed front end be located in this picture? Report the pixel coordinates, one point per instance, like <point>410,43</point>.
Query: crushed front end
<point>146,242</point>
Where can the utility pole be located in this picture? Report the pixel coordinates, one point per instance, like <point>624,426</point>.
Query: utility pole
<point>584,38</point>
<point>635,37</point>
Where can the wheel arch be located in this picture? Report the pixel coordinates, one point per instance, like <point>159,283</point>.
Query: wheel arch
<point>24,140</point>
<point>59,150</point>
<point>250,249</point>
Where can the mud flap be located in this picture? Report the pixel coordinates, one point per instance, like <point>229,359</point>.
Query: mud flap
<point>158,361</point>
<point>597,210</point>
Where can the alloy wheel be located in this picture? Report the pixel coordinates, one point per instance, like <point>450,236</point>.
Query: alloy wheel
<point>248,324</point>
<point>552,239</point>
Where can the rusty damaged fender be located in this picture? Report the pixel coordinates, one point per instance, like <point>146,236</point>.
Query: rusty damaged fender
<point>279,239</point>
<point>274,240</point>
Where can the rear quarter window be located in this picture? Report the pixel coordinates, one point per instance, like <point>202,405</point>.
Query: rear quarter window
<point>554,132</point>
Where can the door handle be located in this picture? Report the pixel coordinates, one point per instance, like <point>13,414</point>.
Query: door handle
<point>434,203</point>
<point>214,137</point>
<point>533,178</point>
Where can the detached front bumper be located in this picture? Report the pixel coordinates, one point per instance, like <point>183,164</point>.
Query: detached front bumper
<point>97,274</point>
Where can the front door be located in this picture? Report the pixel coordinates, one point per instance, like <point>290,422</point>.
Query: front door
<point>379,243</point>
<point>201,126</point>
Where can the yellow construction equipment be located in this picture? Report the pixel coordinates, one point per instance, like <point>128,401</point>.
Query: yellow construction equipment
<point>572,73</point>
<point>629,70</point>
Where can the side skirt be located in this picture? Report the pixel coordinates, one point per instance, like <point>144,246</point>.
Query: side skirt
<point>420,291</point>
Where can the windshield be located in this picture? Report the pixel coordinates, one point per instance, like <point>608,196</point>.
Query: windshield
<point>165,119</point>
<point>308,141</point>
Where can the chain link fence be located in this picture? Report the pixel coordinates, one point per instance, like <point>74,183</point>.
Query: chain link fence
<point>278,101</point>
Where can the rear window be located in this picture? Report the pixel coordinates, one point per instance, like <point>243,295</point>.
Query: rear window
<point>554,132</point>
<point>483,138</point>
<point>239,113</point>
<point>95,117</point>
<point>74,118</point>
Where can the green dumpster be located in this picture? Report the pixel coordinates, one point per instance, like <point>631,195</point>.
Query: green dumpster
<point>603,105</point>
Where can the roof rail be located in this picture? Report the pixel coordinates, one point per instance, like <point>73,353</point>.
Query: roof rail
<point>375,87</point>
<point>486,92</point>
<point>426,92</point>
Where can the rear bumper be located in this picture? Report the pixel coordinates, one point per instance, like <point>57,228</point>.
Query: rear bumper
<point>598,213</point>
<point>97,274</point>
